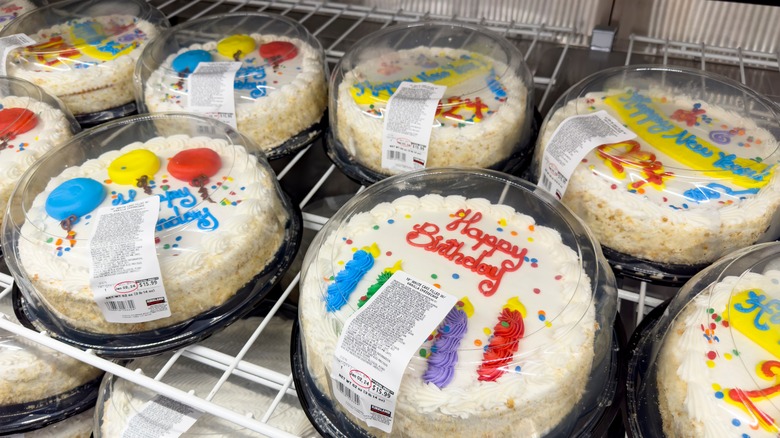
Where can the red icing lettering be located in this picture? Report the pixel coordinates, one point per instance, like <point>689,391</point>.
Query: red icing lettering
<point>427,237</point>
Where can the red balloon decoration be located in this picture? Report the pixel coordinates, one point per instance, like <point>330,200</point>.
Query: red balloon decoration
<point>278,51</point>
<point>194,163</point>
<point>15,121</point>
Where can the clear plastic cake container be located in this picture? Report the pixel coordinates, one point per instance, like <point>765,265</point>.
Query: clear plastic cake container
<point>41,388</point>
<point>222,236</point>
<point>85,52</point>
<point>487,395</point>
<point>484,119</point>
<point>10,9</point>
<point>32,122</point>
<point>122,403</point>
<point>706,367</point>
<point>697,180</point>
<point>279,91</point>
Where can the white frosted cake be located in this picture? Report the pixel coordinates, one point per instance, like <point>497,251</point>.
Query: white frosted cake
<point>478,122</point>
<point>87,62</point>
<point>271,352</point>
<point>220,222</point>
<point>512,358</point>
<point>29,129</point>
<point>717,369</point>
<point>696,183</point>
<point>30,372</point>
<point>280,89</point>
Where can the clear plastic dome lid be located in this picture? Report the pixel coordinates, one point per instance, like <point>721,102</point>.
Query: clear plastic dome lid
<point>39,386</point>
<point>698,179</point>
<point>10,9</point>
<point>123,404</point>
<point>708,367</point>
<point>484,118</point>
<point>280,92</point>
<point>85,51</point>
<point>31,123</point>
<point>535,300</point>
<point>222,235</point>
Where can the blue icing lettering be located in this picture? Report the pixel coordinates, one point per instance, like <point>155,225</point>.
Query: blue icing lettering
<point>640,104</point>
<point>205,220</point>
<point>691,142</point>
<point>701,194</point>
<point>120,198</point>
<point>495,85</point>
<point>187,198</point>
<point>347,279</point>
<point>251,78</point>
<point>726,162</point>
<point>758,303</point>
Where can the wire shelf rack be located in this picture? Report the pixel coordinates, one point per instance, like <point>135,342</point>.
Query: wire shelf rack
<point>554,55</point>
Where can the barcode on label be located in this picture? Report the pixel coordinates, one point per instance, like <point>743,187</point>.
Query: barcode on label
<point>545,182</point>
<point>120,305</point>
<point>353,397</point>
<point>396,156</point>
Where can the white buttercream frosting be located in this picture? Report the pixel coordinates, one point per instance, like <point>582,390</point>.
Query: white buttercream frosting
<point>547,374</point>
<point>286,98</point>
<point>704,355</point>
<point>671,221</point>
<point>19,153</point>
<point>202,264</point>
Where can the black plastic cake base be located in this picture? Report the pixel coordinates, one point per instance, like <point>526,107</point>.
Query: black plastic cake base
<point>133,345</point>
<point>27,417</point>
<point>300,140</point>
<point>635,370</point>
<point>515,164</point>
<point>330,422</point>
<point>664,274</point>
<point>91,120</point>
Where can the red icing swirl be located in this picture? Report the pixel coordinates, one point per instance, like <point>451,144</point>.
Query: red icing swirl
<point>503,345</point>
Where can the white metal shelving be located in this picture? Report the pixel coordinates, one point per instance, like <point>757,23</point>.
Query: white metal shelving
<point>336,25</point>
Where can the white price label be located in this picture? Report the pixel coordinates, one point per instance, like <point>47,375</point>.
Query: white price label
<point>8,44</point>
<point>571,142</point>
<point>161,417</point>
<point>211,90</point>
<point>377,343</point>
<point>124,271</point>
<point>408,122</point>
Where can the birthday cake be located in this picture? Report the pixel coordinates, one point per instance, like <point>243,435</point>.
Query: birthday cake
<point>28,128</point>
<point>87,62</point>
<point>697,182</point>
<point>221,221</point>
<point>717,368</point>
<point>512,358</point>
<point>280,89</point>
<point>479,121</point>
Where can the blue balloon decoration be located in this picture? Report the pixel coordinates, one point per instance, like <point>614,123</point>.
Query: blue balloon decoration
<point>77,196</point>
<point>188,61</point>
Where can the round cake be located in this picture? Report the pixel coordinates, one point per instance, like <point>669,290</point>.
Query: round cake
<point>87,62</point>
<point>717,368</point>
<point>221,221</point>
<point>280,89</point>
<point>697,182</point>
<point>30,372</point>
<point>483,119</point>
<point>28,129</point>
<point>122,400</point>
<point>512,358</point>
